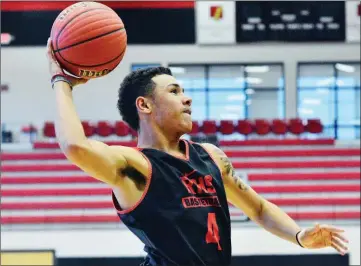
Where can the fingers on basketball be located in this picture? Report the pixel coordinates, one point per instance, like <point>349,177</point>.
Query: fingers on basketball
<point>49,49</point>
<point>51,52</point>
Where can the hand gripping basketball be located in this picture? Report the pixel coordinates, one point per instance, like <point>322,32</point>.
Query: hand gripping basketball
<point>56,70</point>
<point>89,39</point>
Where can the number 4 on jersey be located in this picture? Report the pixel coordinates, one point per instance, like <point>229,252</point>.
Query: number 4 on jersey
<point>213,231</point>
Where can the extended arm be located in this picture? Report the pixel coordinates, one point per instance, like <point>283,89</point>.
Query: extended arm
<point>271,217</point>
<point>258,209</point>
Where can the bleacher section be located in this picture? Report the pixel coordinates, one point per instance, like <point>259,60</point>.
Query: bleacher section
<point>309,179</point>
<point>245,127</point>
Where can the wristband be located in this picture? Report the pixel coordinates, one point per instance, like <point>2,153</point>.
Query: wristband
<point>57,78</point>
<point>298,240</point>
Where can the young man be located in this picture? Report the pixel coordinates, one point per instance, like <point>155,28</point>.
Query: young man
<point>171,193</point>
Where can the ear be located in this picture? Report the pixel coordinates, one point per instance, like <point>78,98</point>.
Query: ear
<point>143,105</point>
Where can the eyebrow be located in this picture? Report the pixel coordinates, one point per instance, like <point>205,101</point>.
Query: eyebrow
<point>175,85</point>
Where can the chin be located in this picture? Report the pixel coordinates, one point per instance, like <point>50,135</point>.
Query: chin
<point>188,131</point>
<point>184,128</point>
<point>188,128</point>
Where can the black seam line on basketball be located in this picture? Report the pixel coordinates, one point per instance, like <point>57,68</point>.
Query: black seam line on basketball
<point>88,40</point>
<point>93,65</point>
<point>80,14</point>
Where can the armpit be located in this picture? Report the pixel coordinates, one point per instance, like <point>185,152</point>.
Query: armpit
<point>136,176</point>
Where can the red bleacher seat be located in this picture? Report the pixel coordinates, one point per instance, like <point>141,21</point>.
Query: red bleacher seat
<point>262,126</point>
<point>121,129</point>
<point>49,130</point>
<point>275,142</point>
<point>244,127</point>
<point>296,126</point>
<point>314,126</point>
<point>89,130</point>
<point>104,129</point>
<point>226,127</point>
<point>195,128</point>
<point>279,127</point>
<point>209,127</point>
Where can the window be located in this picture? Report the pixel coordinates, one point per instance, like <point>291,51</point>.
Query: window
<point>265,91</point>
<point>331,92</point>
<point>226,105</point>
<point>232,92</point>
<point>226,92</point>
<point>315,75</point>
<point>191,77</point>
<point>225,77</point>
<point>317,103</point>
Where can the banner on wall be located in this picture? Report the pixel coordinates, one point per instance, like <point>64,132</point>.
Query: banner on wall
<point>353,11</point>
<point>216,22</point>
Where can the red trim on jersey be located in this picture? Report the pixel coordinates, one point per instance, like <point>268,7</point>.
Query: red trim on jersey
<point>61,5</point>
<point>149,179</point>
<point>187,148</point>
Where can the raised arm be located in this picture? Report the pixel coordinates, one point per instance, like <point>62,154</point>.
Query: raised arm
<point>268,215</point>
<point>97,159</point>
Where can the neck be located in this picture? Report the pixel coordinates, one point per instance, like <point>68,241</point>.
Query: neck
<point>153,137</point>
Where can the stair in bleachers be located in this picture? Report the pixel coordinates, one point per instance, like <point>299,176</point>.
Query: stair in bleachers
<point>309,179</point>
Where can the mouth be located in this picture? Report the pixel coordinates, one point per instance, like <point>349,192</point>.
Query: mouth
<point>188,112</point>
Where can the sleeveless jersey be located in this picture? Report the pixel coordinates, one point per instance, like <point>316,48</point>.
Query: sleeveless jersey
<point>183,216</point>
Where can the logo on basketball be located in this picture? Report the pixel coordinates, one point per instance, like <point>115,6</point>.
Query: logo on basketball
<point>92,74</point>
<point>70,9</point>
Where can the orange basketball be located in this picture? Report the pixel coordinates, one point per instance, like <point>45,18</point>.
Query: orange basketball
<point>89,39</point>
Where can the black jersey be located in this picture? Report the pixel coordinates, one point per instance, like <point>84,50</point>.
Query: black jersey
<point>183,217</point>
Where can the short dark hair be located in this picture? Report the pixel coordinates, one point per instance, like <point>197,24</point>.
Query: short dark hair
<point>137,83</point>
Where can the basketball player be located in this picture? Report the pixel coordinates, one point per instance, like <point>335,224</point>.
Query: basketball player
<point>171,193</point>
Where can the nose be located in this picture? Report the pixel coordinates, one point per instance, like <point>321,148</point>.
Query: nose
<point>187,100</point>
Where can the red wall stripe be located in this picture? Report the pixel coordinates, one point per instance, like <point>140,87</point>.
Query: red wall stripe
<point>60,5</point>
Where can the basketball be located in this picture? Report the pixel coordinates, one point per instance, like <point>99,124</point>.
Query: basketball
<point>89,39</point>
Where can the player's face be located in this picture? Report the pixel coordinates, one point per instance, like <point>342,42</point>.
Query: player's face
<point>172,107</point>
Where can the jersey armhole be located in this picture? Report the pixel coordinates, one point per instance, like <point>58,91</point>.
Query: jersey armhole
<point>210,155</point>
<point>149,179</point>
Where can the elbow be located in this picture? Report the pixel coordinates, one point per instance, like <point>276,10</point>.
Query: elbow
<point>259,215</point>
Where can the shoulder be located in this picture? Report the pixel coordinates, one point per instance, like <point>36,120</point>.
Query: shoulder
<point>211,148</point>
<point>219,157</point>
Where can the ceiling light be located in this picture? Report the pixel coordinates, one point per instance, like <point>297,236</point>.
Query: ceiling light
<point>256,69</point>
<point>345,68</point>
